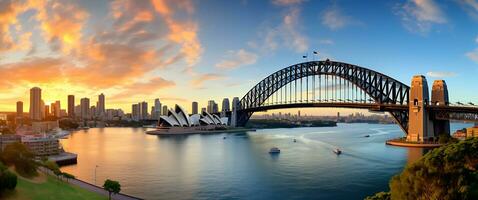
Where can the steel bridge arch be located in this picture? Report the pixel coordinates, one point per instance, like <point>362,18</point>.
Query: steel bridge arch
<point>381,88</point>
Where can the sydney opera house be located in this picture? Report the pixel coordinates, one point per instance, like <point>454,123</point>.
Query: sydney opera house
<point>178,121</point>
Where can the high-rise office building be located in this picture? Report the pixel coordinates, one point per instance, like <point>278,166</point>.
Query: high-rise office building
<point>235,103</point>
<point>101,105</point>
<point>57,109</point>
<point>164,110</point>
<point>85,108</point>
<point>135,112</point>
<point>215,108</point>
<point>157,108</point>
<point>71,106</point>
<point>225,105</point>
<point>35,104</point>
<point>210,106</point>
<point>46,111</point>
<point>195,107</point>
<point>42,109</point>
<point>143,110</point>
<point>93,111</point>
<point>19,109</point>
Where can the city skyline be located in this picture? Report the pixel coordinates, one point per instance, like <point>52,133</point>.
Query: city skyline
<point>196,58</point>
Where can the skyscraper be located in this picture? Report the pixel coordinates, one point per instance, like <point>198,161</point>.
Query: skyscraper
<point>215,108</point>
<point>225,105</point>
<point>42,109</point>
<point>144,110</point>
<point>210,106</point>
<point>165,110</point>
<point>85,108</point>
<point>57,109</point>
<point>46,111</point>
<point>101,105</point>
<point>19,109</point>
<point>51,110</point>
<point>71,106</point>
<point>35,101</point>
<point>135,112</point>
<point>157,108</point>
<point>235,103</point>
<point>195,108</point>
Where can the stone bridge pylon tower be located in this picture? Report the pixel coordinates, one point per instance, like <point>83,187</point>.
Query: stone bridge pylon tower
<point>422,125</point>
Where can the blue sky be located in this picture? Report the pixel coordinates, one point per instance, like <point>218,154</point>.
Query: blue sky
<point>185,50</point>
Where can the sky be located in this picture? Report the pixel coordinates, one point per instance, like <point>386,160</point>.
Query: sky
<point>195,50</point>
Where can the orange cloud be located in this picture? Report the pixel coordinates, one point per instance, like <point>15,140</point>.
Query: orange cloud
<point>62,24</point>
<point>200,79</point>
<point>144,88</point>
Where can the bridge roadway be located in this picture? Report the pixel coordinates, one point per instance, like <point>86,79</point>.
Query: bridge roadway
<point>369,106</point>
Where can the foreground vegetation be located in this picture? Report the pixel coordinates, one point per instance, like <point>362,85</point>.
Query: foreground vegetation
<point>446,173</point>
<point>51,188</point>
<point>29,184</point>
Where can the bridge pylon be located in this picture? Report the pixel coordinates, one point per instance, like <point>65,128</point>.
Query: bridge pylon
<point>420,127</point>
<point>440,98</point>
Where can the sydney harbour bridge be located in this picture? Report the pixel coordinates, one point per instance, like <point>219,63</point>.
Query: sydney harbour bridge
<point>342,85</point>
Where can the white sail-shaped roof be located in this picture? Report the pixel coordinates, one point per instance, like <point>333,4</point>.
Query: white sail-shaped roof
<point>183,115</point>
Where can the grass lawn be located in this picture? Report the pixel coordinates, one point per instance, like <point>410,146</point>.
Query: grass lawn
<point>50,189</point>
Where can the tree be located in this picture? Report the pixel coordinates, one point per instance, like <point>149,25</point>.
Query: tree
<point>112,187</point>
<point>8,180</point>
<point>17,154</point>
<point>448,172</point>
<point>379,196</point>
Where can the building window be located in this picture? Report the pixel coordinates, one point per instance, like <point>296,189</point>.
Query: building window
<point>415,102</point>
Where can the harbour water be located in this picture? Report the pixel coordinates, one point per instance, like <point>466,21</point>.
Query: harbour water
<point>239,166</point>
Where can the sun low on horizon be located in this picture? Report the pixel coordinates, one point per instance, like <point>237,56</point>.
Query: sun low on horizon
<point>184,50</point>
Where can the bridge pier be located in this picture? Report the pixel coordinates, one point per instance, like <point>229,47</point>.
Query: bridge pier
<point>420,127</point>
<point>440,98</point>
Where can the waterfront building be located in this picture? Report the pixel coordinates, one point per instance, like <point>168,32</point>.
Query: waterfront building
<point>71,106</point>
<point>165,110</point>
<point>194,107</point>
<point>41,145</point>
<point>85,108</point>
<point>225,105</point>
<point>45,126</point>
<point>100,108</point>
<point>8,139</point>
<point>35,103</point>
<point>19,109</point>
<point>178,121</point>
<point>77,111</point>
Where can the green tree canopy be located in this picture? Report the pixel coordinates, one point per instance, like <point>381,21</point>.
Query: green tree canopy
<point>19,155</point>
<point>112,187</point>
<point>8,180</point>
<point>446,173</point>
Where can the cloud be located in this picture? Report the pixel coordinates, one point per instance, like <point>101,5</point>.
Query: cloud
<point>144,88</point>
<point>326,41</point>
<point>286,2</point>
<point>420,15</point>
<point>12,39</point>
<point>436,74</point>
<point>470,6</point>
<point>200,79</point>
<point>287,33</point>
<point>334,19</point>
<point>237,59</point>
<point>473,55</point>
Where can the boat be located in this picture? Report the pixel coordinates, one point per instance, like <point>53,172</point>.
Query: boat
<point>337,151</point>
<point>224,138</point>
<point>367,136</point>
<point>274,150</point>
<point>295,140</point>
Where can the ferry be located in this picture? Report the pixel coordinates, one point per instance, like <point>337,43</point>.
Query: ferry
<point>337,151</point>
<point>274,150</point>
